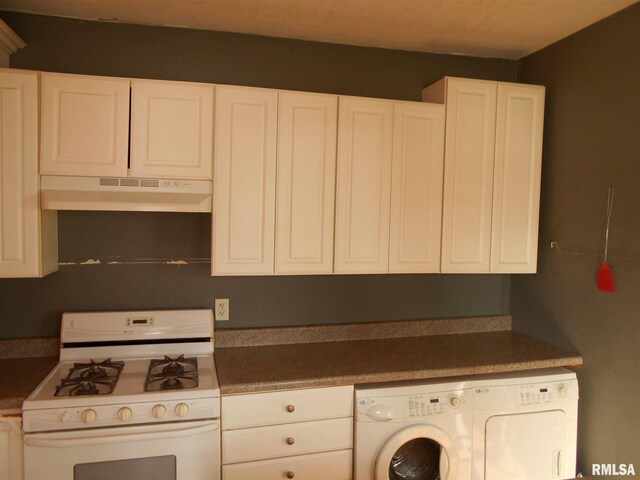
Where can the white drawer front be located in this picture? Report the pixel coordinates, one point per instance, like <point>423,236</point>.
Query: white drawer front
<point>273,408</point>
<point>284,440</point>
<point>317,466</point>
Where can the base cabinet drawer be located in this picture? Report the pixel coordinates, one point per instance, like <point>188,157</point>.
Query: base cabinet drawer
<point>286,440</point>
<point>318,466</point>
<point>272,408</point>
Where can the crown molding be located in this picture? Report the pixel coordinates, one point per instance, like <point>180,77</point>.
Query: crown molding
<point>10,42</point>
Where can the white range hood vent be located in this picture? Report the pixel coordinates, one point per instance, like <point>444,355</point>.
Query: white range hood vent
<point>125,194</point>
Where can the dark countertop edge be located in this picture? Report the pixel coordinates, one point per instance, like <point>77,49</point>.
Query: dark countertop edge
<point>328,381</point>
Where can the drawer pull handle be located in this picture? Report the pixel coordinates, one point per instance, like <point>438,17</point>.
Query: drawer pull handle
<point>290,474</point>
<point>291,408</point>
<point>291,441</point>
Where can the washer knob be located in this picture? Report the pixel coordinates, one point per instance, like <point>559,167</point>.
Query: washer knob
<point>562,391</point>
<point>159,411</point>
<point>65,417</point>
<point>124,414</point>
<point>454,401</point>
<point>89,416</point>
<point>182,409</point>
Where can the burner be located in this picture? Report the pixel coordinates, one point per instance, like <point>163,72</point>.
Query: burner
<point>93,378</point>
<point>84,388</point>
<point>174,369</point>
<point>172,374</point>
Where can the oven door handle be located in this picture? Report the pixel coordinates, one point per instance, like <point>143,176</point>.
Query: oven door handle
<point>47,441</point>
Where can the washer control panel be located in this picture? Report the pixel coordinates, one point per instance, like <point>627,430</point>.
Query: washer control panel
<point>425,405</point>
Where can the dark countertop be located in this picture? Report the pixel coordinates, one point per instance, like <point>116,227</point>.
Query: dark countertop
<point>304,365</point>
<point>19,376</point>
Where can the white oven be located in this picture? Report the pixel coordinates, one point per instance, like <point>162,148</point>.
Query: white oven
<point>134,396</point>
<point>171,451</point>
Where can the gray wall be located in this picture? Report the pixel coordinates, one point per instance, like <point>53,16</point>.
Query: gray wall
<point>33,307</point>
<point>592,140</point>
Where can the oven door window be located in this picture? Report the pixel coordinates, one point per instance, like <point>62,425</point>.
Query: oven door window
<point>150,468</point>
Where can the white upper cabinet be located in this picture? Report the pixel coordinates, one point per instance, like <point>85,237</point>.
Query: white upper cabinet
<point>516,192</point>
<point>171,129</point>
<point>85,125</point>
<point>468,173</point>
<point>493,155</point>
<point>307,128</point>
<point>244,181</point>
<point>416,188</point>
<point>28,237</point>
<point>363,185</point>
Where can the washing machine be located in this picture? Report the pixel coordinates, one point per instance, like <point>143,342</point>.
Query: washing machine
<point>413,431</point>
<point>525,425</point>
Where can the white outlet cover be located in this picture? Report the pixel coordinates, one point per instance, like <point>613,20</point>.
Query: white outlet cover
<point>221,311</point>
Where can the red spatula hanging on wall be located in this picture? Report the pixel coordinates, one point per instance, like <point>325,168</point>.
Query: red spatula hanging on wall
<point>605,276</point>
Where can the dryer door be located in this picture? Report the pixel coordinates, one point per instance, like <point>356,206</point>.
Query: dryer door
<point>525,446</point>
<point>419,452</point>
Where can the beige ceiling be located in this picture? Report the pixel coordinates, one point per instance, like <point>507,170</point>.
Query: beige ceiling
<point>489,28</point>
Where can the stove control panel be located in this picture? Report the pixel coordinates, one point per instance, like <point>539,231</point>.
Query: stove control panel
<point>117,415</point>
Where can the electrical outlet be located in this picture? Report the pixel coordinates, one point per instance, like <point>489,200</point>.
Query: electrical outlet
<point>222,309</point>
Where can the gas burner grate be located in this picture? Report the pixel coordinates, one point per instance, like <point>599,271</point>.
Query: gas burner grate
<point>93,378</point>
<point>172,374</point>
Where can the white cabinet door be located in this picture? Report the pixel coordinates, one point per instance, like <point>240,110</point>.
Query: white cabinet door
<point>244,181</point>
<point>171,129</point>
<point>516,190</point>
<point>85,125</point>
<point>468,175</point>
<point>307,128</point>
<point>11,450</point>
<point>363,185</point>
<point>28,241</point>
<point>416,188</point>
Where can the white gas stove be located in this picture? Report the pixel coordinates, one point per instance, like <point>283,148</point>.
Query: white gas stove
<point>133,391</point>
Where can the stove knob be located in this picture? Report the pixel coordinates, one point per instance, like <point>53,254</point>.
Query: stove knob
<point>158,411</point>
<point>182,409</point>
<point>89,416</point>
<point>124,414</point>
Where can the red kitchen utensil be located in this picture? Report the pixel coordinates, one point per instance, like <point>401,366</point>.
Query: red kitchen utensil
<point>605,276</point>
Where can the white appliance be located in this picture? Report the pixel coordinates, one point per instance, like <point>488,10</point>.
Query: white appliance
<point>124,194</point>
<point>525,425</point>
<point>134,395</point>
<point>418,431</point>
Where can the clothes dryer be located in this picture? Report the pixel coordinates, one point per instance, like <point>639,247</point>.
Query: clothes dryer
<point>525,425</point>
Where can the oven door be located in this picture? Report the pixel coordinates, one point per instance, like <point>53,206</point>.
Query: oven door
<point>171,451</point>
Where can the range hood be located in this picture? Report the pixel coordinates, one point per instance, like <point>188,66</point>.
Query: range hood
<point>124,194</point>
